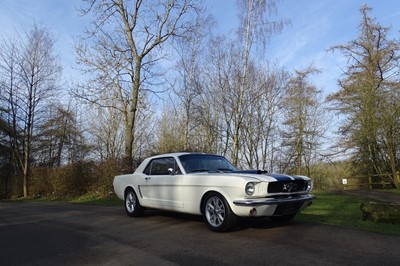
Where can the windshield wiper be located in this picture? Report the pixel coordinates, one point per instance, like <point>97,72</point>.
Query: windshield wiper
<point>198,170</point>
<point>224,170</point>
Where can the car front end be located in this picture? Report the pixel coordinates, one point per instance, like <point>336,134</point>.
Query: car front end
<point>274,195</point>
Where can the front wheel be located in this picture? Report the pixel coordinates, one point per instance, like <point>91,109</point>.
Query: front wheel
<point>132,204</point>
<point>217,213</point>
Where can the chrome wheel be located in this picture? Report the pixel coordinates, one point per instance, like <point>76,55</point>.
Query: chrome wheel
<point>215,211</point>
<point>132,204</point>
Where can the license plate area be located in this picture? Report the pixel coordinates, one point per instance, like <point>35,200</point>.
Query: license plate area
<point>288,208</point>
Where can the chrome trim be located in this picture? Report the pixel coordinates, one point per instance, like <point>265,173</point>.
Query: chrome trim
<point>272,201</point>
<point>140,191</point>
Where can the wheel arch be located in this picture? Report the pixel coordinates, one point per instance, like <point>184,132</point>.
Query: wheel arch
<point>211,191</point>
<point>129,188</point>
<point>220,217</point>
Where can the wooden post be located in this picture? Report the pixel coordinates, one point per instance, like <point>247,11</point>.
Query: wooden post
<point>370,182</point>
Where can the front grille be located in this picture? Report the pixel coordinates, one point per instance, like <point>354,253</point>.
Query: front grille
<point>287,186</point>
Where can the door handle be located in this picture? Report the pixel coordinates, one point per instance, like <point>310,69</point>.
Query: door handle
<point>147,178</point>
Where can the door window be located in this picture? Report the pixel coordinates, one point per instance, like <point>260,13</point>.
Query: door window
<point>162,166</point>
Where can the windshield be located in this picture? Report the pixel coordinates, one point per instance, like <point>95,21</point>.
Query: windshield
<point>205,163</point>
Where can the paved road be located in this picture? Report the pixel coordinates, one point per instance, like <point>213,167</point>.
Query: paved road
<point>70,234</point>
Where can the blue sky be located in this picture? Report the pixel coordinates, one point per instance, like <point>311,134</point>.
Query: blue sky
<point>315,26</point>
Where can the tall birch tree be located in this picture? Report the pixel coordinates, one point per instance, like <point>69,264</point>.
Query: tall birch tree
<point>255,28</point>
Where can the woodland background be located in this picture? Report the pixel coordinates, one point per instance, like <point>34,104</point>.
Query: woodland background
<point>69,139</point>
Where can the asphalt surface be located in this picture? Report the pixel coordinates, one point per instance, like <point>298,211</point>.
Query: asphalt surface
<point>71,234</point>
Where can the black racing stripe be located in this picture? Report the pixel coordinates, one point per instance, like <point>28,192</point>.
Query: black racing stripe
<point>298,177</point>
<point>282,178</point>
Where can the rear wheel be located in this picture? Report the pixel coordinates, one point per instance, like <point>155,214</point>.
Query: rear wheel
<point>132,204</point>
<point>217,213</point>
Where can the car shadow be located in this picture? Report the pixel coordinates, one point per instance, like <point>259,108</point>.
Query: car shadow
<point>175,215</point>
<point>262,223</point>
<point>242,224</point>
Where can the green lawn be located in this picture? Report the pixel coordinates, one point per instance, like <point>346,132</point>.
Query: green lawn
<point>343,210</point>
<point>111,200</point>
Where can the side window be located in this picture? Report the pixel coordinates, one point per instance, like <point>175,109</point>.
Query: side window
<point>160,166</point>
<point>147,169</point>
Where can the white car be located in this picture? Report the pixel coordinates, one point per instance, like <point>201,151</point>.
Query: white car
<point>209,185</point>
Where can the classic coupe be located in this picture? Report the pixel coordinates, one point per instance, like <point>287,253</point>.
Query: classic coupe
<point>209,185</point>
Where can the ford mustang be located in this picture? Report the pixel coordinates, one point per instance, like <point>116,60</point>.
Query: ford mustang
<point>209,185</point>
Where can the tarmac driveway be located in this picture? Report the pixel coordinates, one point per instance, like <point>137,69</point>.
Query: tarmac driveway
<point>71,234</point>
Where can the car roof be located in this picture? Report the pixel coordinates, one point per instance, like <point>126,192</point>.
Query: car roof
<point>177,154</point>
<point>142,166</point>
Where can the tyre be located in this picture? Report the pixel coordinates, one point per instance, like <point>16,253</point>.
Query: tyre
<point>132,205</point>
<point>217,213</point>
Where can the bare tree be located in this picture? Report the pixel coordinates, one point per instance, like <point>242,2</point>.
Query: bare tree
<point>32,71</point>
<point>255,28</point>
<point>126,42</point>
<point>105,125</point>
<point>189,85</point>
<point>263,116</point>
<point>171,135</point>
<point>223,79</point>
<point>303,118</point>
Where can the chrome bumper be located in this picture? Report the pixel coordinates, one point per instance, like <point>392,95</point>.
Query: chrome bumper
<point>273,201</point>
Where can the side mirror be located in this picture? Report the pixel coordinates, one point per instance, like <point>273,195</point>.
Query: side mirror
<point>171,171</point>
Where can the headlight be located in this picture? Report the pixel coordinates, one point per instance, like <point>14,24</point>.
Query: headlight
<point>309,185</point>
<point>250,188</point>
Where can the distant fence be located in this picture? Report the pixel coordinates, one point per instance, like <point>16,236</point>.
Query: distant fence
<point>379,181</point>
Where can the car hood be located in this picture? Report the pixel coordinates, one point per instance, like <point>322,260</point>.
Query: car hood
<point>268,177</point>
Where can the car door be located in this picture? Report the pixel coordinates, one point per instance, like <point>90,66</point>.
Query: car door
<point>161,187</point>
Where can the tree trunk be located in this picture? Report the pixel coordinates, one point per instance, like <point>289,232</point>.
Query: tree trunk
<point>25,166</point>
<point>131,115</point>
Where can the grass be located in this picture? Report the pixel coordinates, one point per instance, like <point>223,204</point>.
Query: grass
<point>343,210</point>
<point>111,200</point>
